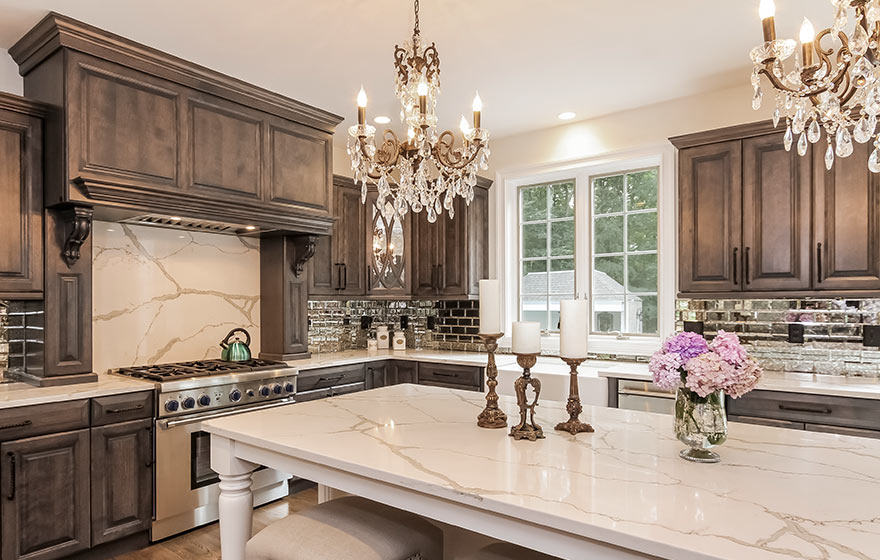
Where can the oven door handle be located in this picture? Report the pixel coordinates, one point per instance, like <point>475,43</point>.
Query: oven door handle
<point>166,424</point>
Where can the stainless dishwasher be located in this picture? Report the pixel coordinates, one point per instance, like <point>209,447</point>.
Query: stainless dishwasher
<point>644,396</point>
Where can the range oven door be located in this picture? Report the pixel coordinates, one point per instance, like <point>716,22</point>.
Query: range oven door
<point>187,489</point>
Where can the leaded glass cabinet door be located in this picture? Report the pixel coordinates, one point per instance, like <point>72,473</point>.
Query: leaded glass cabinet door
<point>388,240</point>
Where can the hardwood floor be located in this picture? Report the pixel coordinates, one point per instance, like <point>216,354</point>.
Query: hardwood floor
<point>204,543</point>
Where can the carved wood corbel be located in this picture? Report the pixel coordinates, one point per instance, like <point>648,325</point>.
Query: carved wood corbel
<point>78,224</point>
<point>304,249</point>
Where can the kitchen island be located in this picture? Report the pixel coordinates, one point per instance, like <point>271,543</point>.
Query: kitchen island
<point>622,492</point>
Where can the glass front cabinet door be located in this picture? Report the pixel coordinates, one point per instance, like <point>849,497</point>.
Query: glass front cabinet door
<point>388,249</point>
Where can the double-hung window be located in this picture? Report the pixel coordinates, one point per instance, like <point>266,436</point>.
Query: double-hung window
<point>599,231</point>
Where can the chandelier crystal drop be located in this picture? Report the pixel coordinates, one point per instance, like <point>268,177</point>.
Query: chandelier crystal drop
<point>426,171</point>
<point>831,87</point>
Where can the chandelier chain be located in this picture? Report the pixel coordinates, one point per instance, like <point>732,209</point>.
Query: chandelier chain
<point>416,27</point>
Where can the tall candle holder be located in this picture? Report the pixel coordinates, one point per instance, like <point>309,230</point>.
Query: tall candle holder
<point>491,416</point>
<point>573,426</point>
<point>526,428</point>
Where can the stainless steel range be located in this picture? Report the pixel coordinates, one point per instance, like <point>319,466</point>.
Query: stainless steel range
<point>187,491</point>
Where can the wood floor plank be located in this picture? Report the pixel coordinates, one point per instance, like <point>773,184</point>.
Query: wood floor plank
<point>204,543</point>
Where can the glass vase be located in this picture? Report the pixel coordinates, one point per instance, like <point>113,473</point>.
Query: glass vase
<point>701,424</point>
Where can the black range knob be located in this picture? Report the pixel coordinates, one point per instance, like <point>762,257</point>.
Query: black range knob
<point>277,388</point>
<point>264,391</point>
<point>235,395</point>
<point>172,405</point>
<point>204,400</point>
<point>289,387</point>
<point>188,402</point>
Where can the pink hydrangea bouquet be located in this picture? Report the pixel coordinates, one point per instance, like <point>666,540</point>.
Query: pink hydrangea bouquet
<point>687,360</point>
<point>701,372</point>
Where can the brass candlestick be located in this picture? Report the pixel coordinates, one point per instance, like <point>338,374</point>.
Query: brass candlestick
<point>573,406</point>
<point>492,416</point>
<point>527,428</point>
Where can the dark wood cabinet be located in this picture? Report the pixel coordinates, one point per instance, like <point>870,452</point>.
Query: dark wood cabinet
<point>376,374</point>
<point>846,222</point>
<point>21,190</point>
<point>45,513</point>
<point>339,265</point>
<point>451,255</point>
<point>138,131</point>
<point>452,376</point>
<point>776,216</point>
<point>402,372</point>
<point>710,218</point>
<point>121,479</point>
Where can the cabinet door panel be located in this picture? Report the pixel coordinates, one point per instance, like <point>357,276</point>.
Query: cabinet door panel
<point>226,151</point>
<point>349,238</point>
<point>846,222</point>
<point>452,257</point>
<point>478,240</point>
<point>388,249</point>
<point>301,172</point>
<point>324,269</point>
<point>131,126</point>
<point>21,190</point>
<point>427,248</point>
<point>47,479</point>
<point>710,229</point>
<point>776,216</point>
<point>122,480</point>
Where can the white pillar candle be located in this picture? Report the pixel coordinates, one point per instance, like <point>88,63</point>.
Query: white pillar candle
<point>526,338</point>
<point>573,328</point>
<point>490,307</point>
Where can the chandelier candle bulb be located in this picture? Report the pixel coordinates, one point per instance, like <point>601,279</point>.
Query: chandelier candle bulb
<point>423,96</point>
<point>490,307</point>
<point>478,107</point>
<point>526,338</point>
<point>362,106</point>
<point>573,328</point>
<point>807,35</point>
<point>767,10</point>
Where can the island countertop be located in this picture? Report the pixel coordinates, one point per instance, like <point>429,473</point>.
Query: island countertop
<point>777,494</point>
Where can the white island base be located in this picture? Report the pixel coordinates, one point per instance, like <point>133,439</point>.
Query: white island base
<point>620,493</point>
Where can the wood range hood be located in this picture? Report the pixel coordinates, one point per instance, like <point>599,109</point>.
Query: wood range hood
<point>133,134</point>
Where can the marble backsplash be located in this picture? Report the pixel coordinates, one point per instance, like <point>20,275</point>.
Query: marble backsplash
<point>165,295</point>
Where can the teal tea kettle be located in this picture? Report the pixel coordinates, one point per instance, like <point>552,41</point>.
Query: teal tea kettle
<point>236,351</point>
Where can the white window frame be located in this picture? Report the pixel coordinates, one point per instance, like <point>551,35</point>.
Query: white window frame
<point>506,247</point>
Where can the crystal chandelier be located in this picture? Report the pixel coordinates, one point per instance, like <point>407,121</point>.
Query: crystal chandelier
<point>837,93</point>
<point>426,171</point>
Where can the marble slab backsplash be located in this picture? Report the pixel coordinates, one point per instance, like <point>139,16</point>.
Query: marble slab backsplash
<point>440,325</point>
<point>832,331</point>
<point>166,295</point>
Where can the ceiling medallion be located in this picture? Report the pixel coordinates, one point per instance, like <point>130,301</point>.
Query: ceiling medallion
<point>823,91</point>
<point>426,171</point>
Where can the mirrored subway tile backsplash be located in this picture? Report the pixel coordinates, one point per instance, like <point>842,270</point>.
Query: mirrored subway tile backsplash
<point>832,331</point>
<point>335,326</point>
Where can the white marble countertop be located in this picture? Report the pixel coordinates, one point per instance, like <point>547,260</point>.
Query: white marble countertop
<point>835,385</point>
<point>777,494</point>
<point>434,356</point>
<point>21,394</point>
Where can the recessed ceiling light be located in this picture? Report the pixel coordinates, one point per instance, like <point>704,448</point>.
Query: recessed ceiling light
<point>566,116</point>
<point>382,119</point>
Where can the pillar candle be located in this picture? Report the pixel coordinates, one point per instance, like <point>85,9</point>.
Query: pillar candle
<point>490,307</point>
<point>573,328</point>
<point>526,338</point>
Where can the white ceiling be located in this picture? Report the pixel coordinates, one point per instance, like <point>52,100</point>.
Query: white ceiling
<point>529,59</point>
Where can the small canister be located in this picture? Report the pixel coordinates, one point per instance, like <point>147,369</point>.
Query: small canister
<point>383,337</point>
<point>372,344</point>
<point>399,340</point>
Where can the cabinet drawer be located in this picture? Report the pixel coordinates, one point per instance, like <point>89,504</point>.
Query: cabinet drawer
<point>324,378</point>
<point>470,377</point>
<point>766,422</point>
<point>28,421</point>
<point>812,409</point>
<point>122,408</point>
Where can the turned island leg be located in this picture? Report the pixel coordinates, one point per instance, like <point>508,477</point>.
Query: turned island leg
<point>236,502</point>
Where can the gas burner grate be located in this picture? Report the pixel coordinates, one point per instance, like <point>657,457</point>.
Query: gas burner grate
<point>197,368</point>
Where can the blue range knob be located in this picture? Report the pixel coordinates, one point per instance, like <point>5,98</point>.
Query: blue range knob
<point>289,387</point>
<point>204,400</point>
<point>264,391</point>
<point>188,402</point>
<point>235,395</point>
<point>171,405</point>
<point>277,388</point>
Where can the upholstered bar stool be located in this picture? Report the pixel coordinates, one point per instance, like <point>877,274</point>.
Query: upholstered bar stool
<point>506,551</point>
<point>349,528</point>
